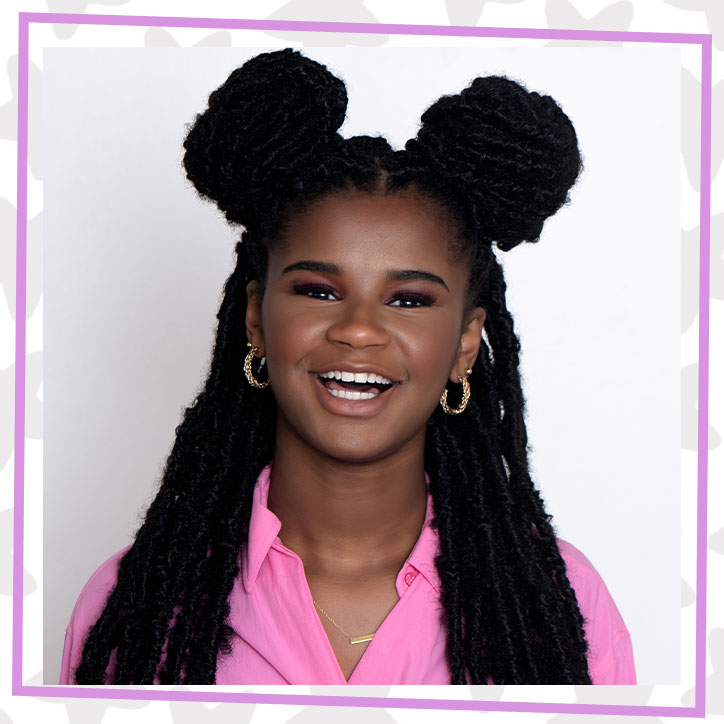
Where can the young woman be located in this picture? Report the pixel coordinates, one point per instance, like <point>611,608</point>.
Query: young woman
<point>348,499</point>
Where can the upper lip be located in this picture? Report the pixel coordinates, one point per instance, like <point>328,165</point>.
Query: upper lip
<point>356,367</point>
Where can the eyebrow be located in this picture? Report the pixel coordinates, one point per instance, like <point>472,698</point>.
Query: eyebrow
<point>395,275</point>
<point>403,275</point>
<point>322,267</point>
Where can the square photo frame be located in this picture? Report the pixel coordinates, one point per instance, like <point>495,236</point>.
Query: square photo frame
<point>110,211</point>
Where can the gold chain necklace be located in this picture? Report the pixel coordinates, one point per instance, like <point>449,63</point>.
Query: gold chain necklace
<point>352,639</point>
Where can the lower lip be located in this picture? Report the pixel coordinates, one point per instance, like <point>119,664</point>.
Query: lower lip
<point>352,408</point>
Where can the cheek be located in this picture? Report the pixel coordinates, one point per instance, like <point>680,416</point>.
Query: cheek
<point>431,348</point>
<point>288,332</point>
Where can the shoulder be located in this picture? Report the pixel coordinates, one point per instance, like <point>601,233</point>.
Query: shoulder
<point>578,566</point>
<point>88,608</point>
<point>593,596</point>
<point>93,597</point>
<point>609,642</point>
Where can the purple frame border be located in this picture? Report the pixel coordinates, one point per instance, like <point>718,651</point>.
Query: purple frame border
<point>704,40</point>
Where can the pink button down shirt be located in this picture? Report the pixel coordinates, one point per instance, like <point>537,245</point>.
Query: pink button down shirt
<point>279,638</point>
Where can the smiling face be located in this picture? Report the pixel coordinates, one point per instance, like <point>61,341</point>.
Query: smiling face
<point>363,320</point>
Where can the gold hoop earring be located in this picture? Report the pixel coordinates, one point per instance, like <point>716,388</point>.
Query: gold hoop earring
<point>247,369</point>
<point>463,403</point>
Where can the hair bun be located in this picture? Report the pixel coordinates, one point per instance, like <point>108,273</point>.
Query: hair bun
<point>269,116</point>
<point>513,153</point>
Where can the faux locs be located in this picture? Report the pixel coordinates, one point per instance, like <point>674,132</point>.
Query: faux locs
<point>499,160</point>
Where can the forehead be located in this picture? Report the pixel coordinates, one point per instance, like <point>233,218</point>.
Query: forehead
<point>399,229</point>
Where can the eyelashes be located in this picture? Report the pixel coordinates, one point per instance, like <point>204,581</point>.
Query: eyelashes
<point>316,291</point>
<point>410,300</point>
<point>402,299</point>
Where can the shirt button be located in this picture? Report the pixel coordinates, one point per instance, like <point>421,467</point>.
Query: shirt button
<point>410,577</point>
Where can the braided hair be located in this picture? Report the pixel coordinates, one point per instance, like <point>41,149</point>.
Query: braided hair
<point>500,160</point>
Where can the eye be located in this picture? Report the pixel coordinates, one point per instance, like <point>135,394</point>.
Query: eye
<point>316,291</point>
<point>412,300</point>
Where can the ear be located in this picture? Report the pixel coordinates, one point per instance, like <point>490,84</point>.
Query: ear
<point>469,344</point>
<point>254,332</point>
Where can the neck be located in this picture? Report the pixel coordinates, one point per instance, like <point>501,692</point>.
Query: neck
<point>348,517</point>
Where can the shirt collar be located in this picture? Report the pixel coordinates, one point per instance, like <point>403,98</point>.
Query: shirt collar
<point>264,528</point>
<point>422,556</point>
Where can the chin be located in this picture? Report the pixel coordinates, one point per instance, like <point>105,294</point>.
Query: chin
<point>356,455</point>
<point>350,441</point>
<point>369,452</point>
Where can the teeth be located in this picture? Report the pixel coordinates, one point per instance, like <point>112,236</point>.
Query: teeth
<point>349,395</point>
<point>358,377</point>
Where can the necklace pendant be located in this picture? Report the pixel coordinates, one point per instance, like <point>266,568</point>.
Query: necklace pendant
<point>360,639</point>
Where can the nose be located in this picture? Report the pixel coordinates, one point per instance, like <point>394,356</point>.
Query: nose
<point>358,325</point>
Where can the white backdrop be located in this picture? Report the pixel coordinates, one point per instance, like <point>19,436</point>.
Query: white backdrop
<point>135,262</point>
